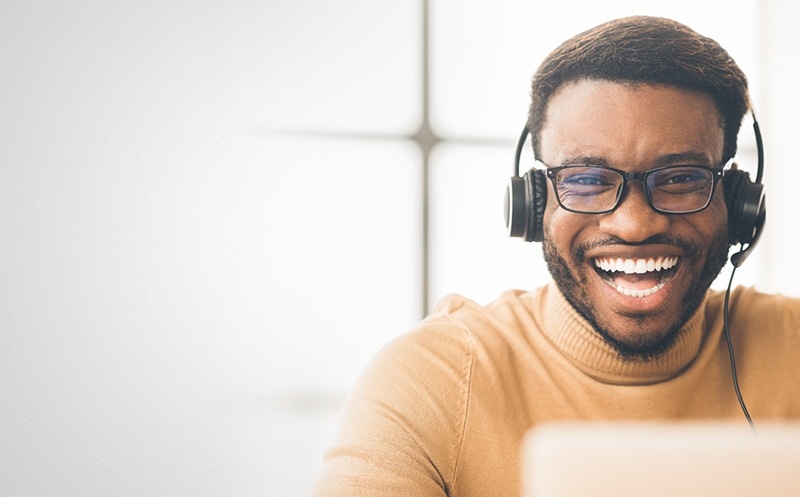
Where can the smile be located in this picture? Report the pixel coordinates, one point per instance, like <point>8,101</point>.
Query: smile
<point>637,277</point>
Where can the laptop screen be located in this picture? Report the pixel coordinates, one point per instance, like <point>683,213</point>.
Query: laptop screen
<point>655,460</point>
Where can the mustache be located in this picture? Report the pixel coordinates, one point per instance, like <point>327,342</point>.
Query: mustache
<point>686,246</point>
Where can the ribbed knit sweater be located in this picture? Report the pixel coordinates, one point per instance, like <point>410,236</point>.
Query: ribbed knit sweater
<point>442,410</point>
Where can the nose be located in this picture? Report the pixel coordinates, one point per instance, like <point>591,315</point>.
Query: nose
<point>634,220</point>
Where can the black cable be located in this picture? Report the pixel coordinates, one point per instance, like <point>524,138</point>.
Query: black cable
<point>730,351</point>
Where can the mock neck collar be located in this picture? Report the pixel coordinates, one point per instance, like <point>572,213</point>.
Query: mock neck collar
<point>586,349</point>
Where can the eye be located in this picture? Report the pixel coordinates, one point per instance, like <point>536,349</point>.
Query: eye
<point>586,178</point>
<point>587,188</point>
<point>684,176</point>
<point>682,179</point>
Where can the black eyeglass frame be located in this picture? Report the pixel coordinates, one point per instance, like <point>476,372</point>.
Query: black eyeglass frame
<point>641,176</point>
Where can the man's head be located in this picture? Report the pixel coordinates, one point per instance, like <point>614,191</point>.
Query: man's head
<point>637,94</point>
<point>647,50</point>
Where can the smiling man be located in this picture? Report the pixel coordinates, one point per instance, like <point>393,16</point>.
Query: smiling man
<point>600,259</point>
<point>637,202</point>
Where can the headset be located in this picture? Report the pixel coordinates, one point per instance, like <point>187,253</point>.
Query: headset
<point>526,199</point>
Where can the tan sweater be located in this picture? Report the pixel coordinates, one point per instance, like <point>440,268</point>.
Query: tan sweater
<point>442,410</point>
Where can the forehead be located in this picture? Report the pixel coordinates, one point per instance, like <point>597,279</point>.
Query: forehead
<point>629,126</point>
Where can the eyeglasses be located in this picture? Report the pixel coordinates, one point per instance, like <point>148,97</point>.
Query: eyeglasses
<point>588,189</point>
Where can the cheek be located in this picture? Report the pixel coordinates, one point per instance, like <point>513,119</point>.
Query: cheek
<point>564,226</point>
<point>554,218</point>
<point>564,229</point>
<point>712,220</point>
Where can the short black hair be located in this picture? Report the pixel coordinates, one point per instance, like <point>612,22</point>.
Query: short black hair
<point>645,50</point>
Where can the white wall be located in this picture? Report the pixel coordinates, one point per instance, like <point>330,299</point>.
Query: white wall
<point>779,109</point>
<point>184,296</point>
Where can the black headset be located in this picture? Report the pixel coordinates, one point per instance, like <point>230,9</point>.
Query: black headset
<point>526,199</point>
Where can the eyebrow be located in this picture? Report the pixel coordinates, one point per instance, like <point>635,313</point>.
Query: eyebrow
<point>693,158</point>
<point>689,157</point>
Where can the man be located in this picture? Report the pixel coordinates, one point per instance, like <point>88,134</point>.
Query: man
<point>633,122</point>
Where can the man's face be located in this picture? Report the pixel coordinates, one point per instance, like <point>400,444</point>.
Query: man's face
<point>633,129</point>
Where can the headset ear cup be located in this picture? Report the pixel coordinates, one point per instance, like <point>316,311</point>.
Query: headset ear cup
<point>515,207</point>
<point>746,207</point>
<point>731,182</point>
<point>536,191</point>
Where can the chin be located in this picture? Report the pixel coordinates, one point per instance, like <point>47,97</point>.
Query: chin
<point>645,341</point>
<point>646,336</point>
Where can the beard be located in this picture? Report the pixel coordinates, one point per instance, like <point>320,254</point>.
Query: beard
<point>645,346</point>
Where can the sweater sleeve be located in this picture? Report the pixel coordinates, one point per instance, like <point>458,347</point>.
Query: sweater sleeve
<point>402,425</point>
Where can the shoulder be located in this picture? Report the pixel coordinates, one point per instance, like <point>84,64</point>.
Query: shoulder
<point>749,303</point>
<point>402,428</point>
<point>509,313</point>
<point>437,361</point>
<point>757,314</point>
<point>405,418</point>
<point>444,343</point>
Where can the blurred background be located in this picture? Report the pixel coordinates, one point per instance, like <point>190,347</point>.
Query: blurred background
<point>212,214</point>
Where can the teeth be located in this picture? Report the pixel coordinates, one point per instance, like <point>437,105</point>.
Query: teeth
<point>630,266</point>
<point>635,266</point>
<point>642,293</point>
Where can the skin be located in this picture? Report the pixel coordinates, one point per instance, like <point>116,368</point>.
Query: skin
<point>633,128</point>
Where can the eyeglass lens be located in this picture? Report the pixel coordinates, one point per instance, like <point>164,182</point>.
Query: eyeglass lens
<point>592,189</point>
